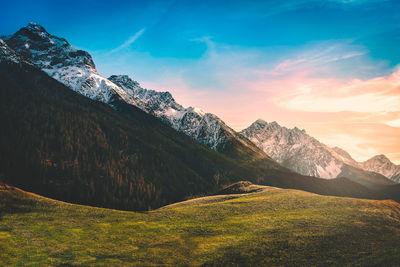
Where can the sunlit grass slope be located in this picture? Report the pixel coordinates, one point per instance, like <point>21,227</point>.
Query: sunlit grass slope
<point>269,227</point>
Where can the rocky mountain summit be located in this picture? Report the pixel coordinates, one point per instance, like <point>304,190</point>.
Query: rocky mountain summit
<point>206,128</point>
<point>295,149</point>
<point>60,60</point>
<point>381,164</point>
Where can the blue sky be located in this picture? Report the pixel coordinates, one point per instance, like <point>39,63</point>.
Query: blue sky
<point>171,26</point>
<point>172,34</point>
<point>319,65</point>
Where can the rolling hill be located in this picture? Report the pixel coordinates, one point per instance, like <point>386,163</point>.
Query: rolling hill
<point>269,227</point>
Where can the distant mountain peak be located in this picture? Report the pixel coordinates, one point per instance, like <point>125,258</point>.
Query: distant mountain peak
<point>258,124</point>
<point>261,122</point>
<point>35,27</point>
<point>381,158</point>
<point>381,164</point>
<point>294,149</point>
<point>274,124</point>
<point>297,150</point>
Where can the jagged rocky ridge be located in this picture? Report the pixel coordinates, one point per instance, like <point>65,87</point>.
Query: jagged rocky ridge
<point>76,69</point>
<point>381,164</point>
<point>206,128</point>
<point>60,60</point>
<point>297,150</point>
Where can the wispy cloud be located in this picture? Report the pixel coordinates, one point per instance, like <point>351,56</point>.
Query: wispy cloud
<point>324,56</point>
<point>394,123</point>
<point>380,94</point>
<point>128,42</point>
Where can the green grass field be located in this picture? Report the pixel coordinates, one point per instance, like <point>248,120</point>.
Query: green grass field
<point>271,227</point>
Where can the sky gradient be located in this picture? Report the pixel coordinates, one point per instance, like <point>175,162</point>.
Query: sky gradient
<point>330,67</point>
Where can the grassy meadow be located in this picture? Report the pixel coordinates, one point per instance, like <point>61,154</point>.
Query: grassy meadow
<point>270,227</point>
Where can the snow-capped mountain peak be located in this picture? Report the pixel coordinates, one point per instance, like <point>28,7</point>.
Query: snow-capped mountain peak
<point>48,51</point>
<point>36,27</point>
<point>55,56</point>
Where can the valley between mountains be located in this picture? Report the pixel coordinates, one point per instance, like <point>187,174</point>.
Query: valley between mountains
<point>100,171</point>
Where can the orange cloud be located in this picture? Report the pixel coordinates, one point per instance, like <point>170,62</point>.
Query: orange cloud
<point>381,94</point>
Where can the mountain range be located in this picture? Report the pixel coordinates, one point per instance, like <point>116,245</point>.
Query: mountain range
<point>111,143</point>
<point>58,143</point>
<point>76,69</point>
<point>297,150</point>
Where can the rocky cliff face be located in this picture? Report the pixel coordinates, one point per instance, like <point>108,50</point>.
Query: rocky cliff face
<point>55,56</point>
<point>381,164</point>
<point>294,148</point>
<point>206,128</point>
<point>297,150</point>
